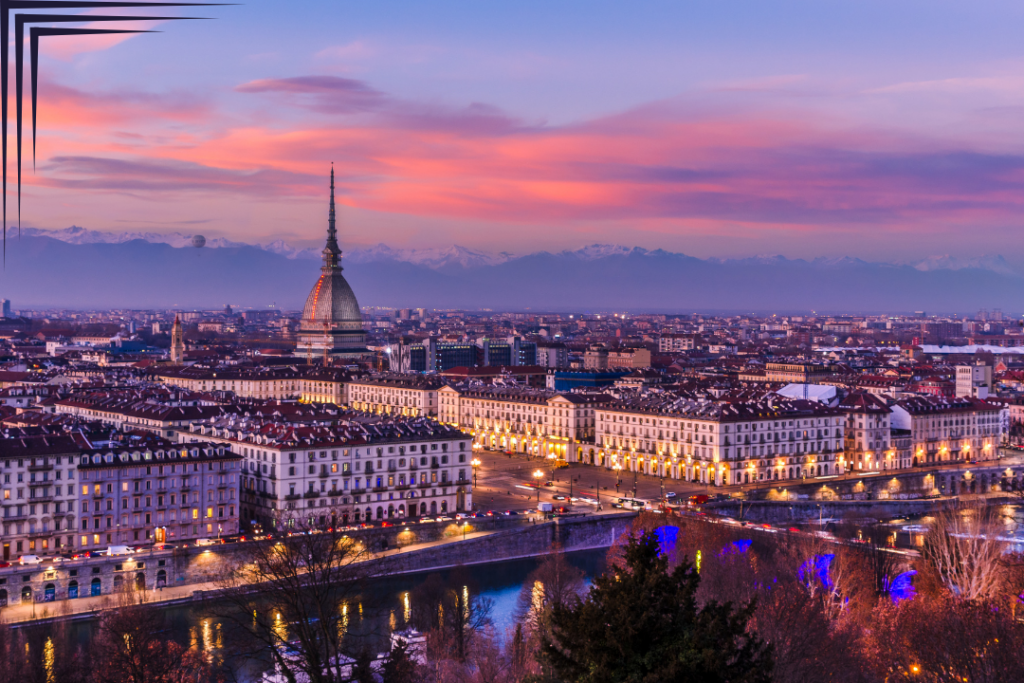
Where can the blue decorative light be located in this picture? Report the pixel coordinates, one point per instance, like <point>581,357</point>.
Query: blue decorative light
<point>902,587</point>
<point>736,547</point>
<point>817,568</point>
<point>667,536</point>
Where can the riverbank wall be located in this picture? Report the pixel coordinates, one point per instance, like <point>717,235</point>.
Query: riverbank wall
<point>182,574</point>
<point>780,512</point>
<point>572,533</point>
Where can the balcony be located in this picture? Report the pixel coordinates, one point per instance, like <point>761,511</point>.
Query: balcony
<point>379,489</point>
<point>311,494</point>
<point>322,475</point>
<point>427,485</point>
<point>402,487</point>
<point>292,496</point>
<point>357,492</point>
<point>40,468</point>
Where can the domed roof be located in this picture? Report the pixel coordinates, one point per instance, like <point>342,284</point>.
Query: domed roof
<point>331,304</point>
<point>332,301</point>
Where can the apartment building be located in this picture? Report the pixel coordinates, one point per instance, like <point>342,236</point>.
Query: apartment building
<point>944,430</point>
<point>355,467</point>
<point>156,492</point>
<point>974,380</point>
<point>537,422</point>
<point>129,413</point>
<point>720,443</point>
<point>409,395</point>
<point>796,373</point>
<point>629,358</point>
<point>38,495</point>
<point>677,343</point>
<point>293,382</point>
<point>868,436</point>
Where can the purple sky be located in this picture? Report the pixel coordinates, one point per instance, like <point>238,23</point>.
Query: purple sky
<point>873,129</point>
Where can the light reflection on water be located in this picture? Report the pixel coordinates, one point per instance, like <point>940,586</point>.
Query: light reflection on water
<point>499,582</point>
<point>909,532</point>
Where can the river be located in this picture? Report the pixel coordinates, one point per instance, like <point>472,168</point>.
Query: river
<point>500,582</point>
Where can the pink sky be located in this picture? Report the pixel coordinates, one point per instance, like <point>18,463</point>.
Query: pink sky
<point>463,132</point>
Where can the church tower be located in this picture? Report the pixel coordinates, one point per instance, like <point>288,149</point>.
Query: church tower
<point>332,324</point>
<point>177,342</point>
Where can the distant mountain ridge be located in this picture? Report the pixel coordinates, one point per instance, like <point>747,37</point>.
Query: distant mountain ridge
<point>464,257</point>
<point>133,272</point>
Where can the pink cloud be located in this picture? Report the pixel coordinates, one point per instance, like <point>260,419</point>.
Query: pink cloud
<point>662,163</point>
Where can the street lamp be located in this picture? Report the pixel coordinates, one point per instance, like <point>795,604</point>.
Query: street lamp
<point>618,475</point>
<point>538,475</point>
<point>475,462</point>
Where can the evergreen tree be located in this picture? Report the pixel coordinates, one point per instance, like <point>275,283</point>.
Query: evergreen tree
<point>362,668</point>
<point>640,624</point>
<point>399,666</point>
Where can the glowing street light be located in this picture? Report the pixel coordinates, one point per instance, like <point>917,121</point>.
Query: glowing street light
<point>475,462</point>
<point>538,475</point>
<point>618,475</point>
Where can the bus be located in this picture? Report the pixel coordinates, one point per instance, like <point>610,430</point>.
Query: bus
<point>630,503</point>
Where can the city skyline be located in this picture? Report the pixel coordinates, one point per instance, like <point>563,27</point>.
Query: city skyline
<point>802,130</point>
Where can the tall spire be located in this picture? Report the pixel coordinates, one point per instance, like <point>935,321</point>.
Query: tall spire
<point>332,251</point>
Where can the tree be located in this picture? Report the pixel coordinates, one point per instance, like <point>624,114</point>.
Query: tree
<point>129,648</point>
<point>517,655</point>
<point>555,583</point>
<point>295,597</point>
<point>963,547</point>
<point>449,615</point>
<point>640,623</point>
<point>399,665</point>
<point>40,653</point>
<point>945,639</point>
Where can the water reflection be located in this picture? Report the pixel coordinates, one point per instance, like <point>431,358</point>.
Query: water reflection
<point>385,608</point>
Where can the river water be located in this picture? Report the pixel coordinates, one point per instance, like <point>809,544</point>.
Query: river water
<point>500,582</point>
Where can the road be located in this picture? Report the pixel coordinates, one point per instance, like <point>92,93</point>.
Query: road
<point>500,479</point>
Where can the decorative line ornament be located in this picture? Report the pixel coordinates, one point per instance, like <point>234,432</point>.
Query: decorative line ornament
<point>21,20</point>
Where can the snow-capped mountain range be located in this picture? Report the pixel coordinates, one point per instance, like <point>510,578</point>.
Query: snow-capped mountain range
<point>462,257</point>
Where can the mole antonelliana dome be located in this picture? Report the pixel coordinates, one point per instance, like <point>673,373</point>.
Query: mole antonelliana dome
<point>331,315</point>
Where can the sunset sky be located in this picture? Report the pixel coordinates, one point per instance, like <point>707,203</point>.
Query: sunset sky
<point>878,129</point>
